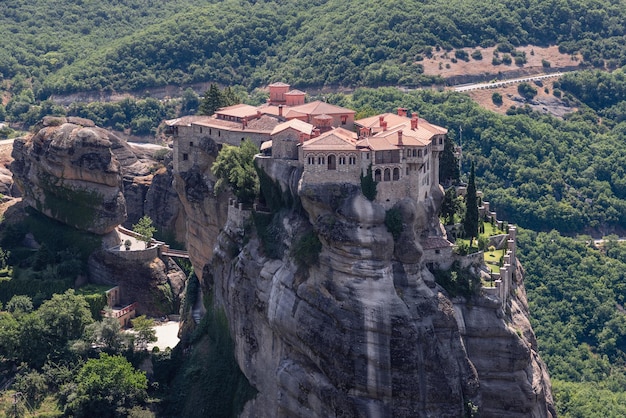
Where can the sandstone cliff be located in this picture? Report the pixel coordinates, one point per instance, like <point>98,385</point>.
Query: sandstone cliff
<point>67,171</point>
<point>88,178</point>
<point>364,330</point>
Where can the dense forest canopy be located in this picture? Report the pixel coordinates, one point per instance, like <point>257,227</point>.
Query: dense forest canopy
<point>66,46</point>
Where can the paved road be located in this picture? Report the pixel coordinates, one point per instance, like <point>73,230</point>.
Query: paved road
<point>480,86</point>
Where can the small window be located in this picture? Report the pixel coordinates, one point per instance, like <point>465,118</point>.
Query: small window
<point>200,129</point>
<point>440,141</point>
<point>414,152</point>
<point>419,153</point>
<point>210,131</point>
<point>219,133</point>
<point>367,155</point>
<point>344,119</point>
<point>191,143</point>
<point>407,171</point>
<point>185,157</point>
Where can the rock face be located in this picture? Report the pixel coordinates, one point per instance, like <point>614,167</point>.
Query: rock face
<point>155,285</point>
<point>68,172</point>
<point>205,214</point>
<point>365,330</point>
<point>88,178</point>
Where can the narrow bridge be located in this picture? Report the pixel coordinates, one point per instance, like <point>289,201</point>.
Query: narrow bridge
<point>174,253</point>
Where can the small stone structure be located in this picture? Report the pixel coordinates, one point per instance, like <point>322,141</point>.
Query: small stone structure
<point>123,313</point>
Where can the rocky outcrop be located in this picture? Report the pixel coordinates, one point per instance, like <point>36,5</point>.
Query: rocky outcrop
<point>87,177</point>
<point>205,214</point>
<point>365,330</point>
<point>67,171</point>
<point>155,285</point>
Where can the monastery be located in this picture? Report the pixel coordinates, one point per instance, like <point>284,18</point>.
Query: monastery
<point>402,151</point>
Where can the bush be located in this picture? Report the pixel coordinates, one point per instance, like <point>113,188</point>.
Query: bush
<point>393,222</point>
<point>496,98</point>
<point>526,91</point>
<point>506,59</point>
<point>461,54</point>
<point>477,55</point>
<point>545,64</point>
<point>307,250</point>
<point>457,281</point>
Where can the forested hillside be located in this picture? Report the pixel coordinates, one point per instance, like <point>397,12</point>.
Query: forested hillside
<point>68,46</point>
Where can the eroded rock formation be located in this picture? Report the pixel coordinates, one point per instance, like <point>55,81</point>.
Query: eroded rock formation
<point>67,171</point>
<point>89,178</point>
<point>365,330</point>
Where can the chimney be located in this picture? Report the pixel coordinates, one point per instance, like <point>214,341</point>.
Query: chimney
<point>316,132</point>
<point>402,111</point>
<point>414,121</point>
<point>258,114</point>
<point>381,119</point>
<point>301,138</point>
<point>400,137</point>
<point>280,110</point>
<point>383,124</point>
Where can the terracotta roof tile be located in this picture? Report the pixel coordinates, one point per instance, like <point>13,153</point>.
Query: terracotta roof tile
<point>434,243</point>
<point>296,124</point>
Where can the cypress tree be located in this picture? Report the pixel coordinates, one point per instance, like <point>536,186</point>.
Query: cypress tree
<point>470,223</point>
<point>212,100</point>
<point>448,164</point>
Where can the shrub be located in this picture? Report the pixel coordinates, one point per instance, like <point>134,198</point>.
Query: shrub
<point>457,281</point>
<point>477,55</point>
<point>495,61</point>
<point>496,98</point>
<point>545,64</point>
<point>506,59</point>
<point>307,250</point>
<point>526,91</point>
<point>393,222</point>
<point>461,54</point>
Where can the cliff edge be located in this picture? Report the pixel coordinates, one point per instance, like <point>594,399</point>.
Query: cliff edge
<point>333,317</point>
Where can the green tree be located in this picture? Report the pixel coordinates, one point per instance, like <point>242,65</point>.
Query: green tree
<point>145,229</point>
<point>448,164</point>
<point>526,91</point>
<point>470,223</point>
<point>19,304</point>
<point>105,387</point>
<point>368,184</point>
<point>9,336</point>
<point>234,168</point>
<point>212,100</point>
<point>496,98</point>
<point>64,319</point>
<point>450,205</point>
<point>144,331</point>
<point>190,102</point>
<point>107,335</point>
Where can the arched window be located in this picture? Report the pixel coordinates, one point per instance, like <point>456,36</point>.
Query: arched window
<point>396,173</point>
<point>377,175</point>
<point>414,152</point>
<point>332,162</point>
<point>387,174</point>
